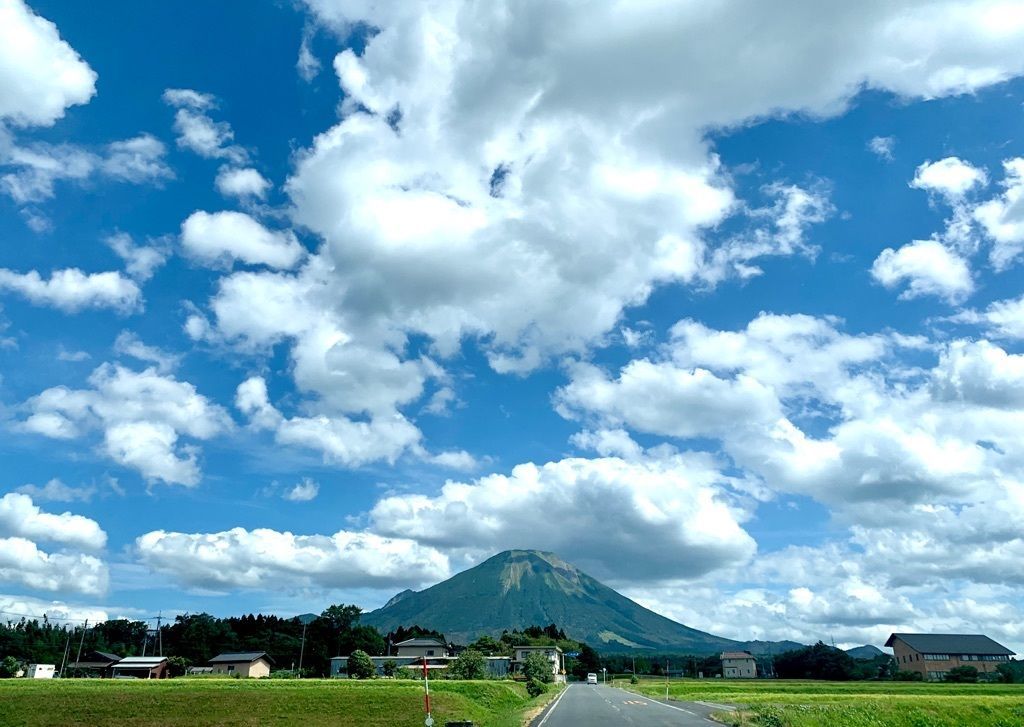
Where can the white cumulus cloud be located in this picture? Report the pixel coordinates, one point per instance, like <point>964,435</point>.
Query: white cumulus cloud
<point>72,290</point>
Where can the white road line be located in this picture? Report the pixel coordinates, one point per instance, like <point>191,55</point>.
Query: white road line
<point>726,707</point>
<point>553,706</point>
<point>678,709</point>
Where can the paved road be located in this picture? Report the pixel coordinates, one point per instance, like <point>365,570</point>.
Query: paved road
<point>587,704</point>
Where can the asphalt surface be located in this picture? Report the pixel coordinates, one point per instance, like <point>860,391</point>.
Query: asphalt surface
<point>587,704</point>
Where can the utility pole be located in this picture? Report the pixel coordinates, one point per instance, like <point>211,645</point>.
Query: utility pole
<point>302,649</point>
<point>67,648</point>
<point>84,627</point>
<point>666,679</point>
<point>159,633</point>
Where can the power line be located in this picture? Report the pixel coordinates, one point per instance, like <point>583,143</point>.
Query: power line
<point>47,617</point>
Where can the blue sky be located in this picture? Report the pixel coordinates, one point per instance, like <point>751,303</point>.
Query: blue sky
<point>739,331</point>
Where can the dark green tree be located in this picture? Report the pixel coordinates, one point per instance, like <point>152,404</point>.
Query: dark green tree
<point>389,667</point>
<point>360,666</point>
<point>815,662</point>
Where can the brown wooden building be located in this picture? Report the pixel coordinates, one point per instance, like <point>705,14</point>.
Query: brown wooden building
<point>934,655</point>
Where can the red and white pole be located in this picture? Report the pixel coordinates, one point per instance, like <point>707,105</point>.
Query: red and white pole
<point>426,695</point>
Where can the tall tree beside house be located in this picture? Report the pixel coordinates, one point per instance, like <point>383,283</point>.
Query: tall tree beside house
<point>537,667</point>
<point>470,664</point>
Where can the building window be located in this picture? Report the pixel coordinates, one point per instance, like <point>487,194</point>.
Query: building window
<point>430,652</point>
<point>231,668</point>
<point>936,657</point>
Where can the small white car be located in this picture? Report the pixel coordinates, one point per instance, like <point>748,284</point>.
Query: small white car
<point>591,678</point>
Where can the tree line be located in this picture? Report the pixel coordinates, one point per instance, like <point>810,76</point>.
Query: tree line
<point>193,639</point>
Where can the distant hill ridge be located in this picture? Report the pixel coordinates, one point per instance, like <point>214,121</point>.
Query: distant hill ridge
<point>520,588</point>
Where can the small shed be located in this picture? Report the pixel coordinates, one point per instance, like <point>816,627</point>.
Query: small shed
<point>255,664</point>
<point>141,667</point>
<point>40,671</point>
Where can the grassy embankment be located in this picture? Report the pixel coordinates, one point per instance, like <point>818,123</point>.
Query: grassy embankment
<point>782,703</point>
<point>197,702</point>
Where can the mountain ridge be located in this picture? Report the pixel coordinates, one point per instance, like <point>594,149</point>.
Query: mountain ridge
<point>515,589</point>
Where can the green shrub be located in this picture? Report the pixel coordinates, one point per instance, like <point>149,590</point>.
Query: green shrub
<point>908,676</point>
<point>535,687</point>
<point>962,674</point>
<point>634,680</point>
<point>8,668</point>
<point>769,716</point>
<point>360,665</point>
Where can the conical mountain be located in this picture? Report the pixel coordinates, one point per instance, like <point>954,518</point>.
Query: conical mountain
<point>520,588</point>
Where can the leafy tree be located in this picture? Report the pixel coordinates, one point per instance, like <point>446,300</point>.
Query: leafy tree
<point>470,664</point>
<point>537,666</point>
<point>178,666</point>
<point>962,674</point>
<point>341,617</point>
<point>815,662</point>
<point>8,668</point>
<point>389,667</point>
<point>489,646</point>
<point>360,666</point>
<point>589,661</point>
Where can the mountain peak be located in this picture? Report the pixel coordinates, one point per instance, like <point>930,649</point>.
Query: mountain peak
<point>515,589</point>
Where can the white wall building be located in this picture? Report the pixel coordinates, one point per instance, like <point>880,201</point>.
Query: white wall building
<point>39,671</point>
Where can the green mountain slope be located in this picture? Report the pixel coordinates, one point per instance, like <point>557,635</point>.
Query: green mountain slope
<point>520,588</point>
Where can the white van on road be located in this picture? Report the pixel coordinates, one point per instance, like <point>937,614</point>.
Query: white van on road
<point>591,678</point>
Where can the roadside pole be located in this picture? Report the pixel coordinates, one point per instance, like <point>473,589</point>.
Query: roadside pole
<point>666,679</point>
<point>429,721</point>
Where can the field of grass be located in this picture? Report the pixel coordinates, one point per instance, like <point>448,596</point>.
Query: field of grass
<point>312,702</point>
<point>781,703</point>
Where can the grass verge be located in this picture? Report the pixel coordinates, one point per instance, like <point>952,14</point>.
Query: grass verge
<point>780,703</point>
<point>237,703</point>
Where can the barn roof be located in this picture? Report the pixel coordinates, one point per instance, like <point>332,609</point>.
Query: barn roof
<point>951,644</point>
<point>246,657</point>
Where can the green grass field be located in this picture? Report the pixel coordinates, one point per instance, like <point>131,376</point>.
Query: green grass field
<point>196,702</point>
<point>779,703</point>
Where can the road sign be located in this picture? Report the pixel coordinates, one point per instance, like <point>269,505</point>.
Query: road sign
<point>572,653</point>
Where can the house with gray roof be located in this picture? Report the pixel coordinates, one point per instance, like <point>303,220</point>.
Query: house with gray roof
<point>96,663</point>
<point>935,655</point>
